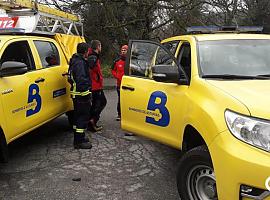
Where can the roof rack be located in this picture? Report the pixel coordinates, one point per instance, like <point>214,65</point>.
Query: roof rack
<point>224,29</point>
<point>35,17</point>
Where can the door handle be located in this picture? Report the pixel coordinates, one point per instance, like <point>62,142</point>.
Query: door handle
<point>65,74</point>
<point>128,88</point>
<point>39,80</point>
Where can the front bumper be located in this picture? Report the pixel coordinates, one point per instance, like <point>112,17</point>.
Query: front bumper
<point>237,163</point>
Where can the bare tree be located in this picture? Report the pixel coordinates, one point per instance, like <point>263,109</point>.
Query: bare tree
<point>114,22</point>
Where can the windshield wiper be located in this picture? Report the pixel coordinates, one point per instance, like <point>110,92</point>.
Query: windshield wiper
<point>264,75</point>
<point>232,76</point>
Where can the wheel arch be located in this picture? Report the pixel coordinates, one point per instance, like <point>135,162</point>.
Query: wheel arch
<point>3,147</point>
<point>192,138</point>
<point>2,134</point>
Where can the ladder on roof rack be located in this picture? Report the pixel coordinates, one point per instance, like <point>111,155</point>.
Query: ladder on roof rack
<point>35,17</point>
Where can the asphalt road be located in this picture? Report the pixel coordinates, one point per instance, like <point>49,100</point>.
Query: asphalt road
<point>44,165</point>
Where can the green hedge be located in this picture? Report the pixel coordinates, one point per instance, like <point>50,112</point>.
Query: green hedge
<point>106,70</point>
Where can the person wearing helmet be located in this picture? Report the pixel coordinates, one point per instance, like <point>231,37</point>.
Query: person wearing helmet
<point>118,73</point>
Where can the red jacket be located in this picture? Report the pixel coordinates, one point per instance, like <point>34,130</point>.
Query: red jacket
<point>95,71</point>
<point>118,69</point>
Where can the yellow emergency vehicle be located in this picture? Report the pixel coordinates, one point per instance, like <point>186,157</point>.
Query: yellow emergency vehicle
<point>206,93</point>
<point>36,43</point>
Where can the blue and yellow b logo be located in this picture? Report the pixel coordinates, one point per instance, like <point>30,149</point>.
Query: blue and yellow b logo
<point>161,98</point>
<point>33,94</point>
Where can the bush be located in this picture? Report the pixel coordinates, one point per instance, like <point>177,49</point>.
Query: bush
<point>106,70</point>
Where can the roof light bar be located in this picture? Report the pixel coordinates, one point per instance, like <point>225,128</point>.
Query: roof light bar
<point>202,29</point>
<point>216,29</point>
<point>250,28</point>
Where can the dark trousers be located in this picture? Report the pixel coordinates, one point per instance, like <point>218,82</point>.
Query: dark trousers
<point>118,103</point>
<point>99,102</point>
<point>82,105</point>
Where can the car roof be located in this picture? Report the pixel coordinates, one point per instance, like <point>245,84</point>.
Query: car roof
<point>219,36</point>
<point>9,37</point>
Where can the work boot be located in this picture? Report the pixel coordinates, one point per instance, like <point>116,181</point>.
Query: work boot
<point>81,141</point>
<point>92,126</point>
<point>82,145</point>
<point>118,118</point>
<point>99,126</point>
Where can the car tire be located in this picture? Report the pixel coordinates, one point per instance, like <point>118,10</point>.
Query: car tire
<point>195,175</point>
<point>3,149</point>
<point>70,115</point>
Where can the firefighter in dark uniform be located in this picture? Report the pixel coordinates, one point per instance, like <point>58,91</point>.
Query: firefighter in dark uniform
<point>81,95</point>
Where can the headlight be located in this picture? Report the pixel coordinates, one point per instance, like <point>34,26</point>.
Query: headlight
<point>250,130</point>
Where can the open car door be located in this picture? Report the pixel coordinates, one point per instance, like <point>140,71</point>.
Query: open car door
<point>148,99</point>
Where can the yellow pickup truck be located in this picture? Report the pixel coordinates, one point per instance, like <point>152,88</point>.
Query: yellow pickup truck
<point>36,43</point>
<point>206,93</point>
<point>33,83</point>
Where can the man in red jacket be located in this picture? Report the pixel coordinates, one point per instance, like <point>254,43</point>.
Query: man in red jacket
<point>99,100</point>
<point>118,73</point>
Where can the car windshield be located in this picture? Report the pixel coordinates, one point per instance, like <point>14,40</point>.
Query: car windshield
<point>232,58</point>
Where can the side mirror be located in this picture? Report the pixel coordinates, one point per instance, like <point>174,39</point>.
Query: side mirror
<point>11,68</point>
<point>165,73</point>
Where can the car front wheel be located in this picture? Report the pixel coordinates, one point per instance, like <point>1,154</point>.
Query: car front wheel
<point>195,175</point>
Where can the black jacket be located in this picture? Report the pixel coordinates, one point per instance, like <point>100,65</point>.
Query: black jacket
<point>79,71</point>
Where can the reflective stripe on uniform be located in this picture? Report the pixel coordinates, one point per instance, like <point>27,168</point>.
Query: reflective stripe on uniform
<point>80,93</point>
<point>74,93</point>
<point>74,87</point>
<point>78,130</point>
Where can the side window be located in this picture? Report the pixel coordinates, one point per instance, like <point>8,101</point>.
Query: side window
<point>20,52</point>
<point>162,57</point>
<point>141,59</point>
<point>48,53</point>
<point>184,58</point>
